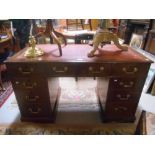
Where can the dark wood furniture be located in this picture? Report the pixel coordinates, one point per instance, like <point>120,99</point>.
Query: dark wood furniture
<point>138,26</point>
<point>120,79</point>
<point>5,45</point>
<point>141,126</point>
<point>79,37</point>
<point>75,24</point>
<point>150,46</point>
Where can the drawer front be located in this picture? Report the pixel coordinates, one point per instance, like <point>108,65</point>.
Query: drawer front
<point>61,69</point>
<point>29,97</point>
<point>123,96</point>
<point>117,83</point>
<point>29,83</point>
<point>120,110</point>
<point>24,70</point>
<point>129,69</point>
<point>97,70</point>
<point>35,110</point>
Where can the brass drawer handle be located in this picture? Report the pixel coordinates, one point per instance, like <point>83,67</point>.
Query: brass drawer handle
<point>34,112</point>
<point>60,71</point>
<point>127,85</point>
<point>91,69</point>
<point>32,99</point>
<point>25,71</point>
<point>17,82</point>
<point>29,85</point>
<point>120,108</point>
<point>123,98</point>
<point>135,69</point>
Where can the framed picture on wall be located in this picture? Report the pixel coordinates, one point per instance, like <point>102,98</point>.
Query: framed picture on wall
<point>149,80</point>
<point>136,40</point>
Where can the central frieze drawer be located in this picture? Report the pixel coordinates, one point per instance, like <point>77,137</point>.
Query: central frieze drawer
<point>97,70</point>
<point>61,69</point>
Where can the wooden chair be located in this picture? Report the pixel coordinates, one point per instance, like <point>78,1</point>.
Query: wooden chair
<point>51,33</point>
<point>76,24</point>
<point>3,68</point>
<point>5,51</point>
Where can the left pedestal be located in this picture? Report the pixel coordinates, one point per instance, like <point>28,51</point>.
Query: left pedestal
<point>35,93</point>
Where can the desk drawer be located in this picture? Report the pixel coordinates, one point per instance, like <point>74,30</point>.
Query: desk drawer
<point>31,96</point>
<point>123,96</point>
<point>29,83</point>
<point>129,69</point>
<point>35,110</point>
<point>120,110</point>
<point>97,70</point>
<point>26,70</point>
<point>61,69</point>
<point>123,83</point>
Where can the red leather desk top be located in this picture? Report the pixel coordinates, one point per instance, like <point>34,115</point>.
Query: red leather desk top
<point>78,53</point>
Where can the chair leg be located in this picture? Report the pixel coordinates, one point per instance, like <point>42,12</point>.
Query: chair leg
<point>82,25</point>
<point>90,25</point>
<point>1,84</point>
<point>67,23</point>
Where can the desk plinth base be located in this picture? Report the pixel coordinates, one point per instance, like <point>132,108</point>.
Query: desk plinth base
<point>39,120</point>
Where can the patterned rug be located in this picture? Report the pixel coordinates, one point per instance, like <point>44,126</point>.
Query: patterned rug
<point>49,129</point>
<point>5,94</point>
<point>78,114</point>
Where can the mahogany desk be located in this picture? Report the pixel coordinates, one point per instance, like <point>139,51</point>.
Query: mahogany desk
<point>120,79</point>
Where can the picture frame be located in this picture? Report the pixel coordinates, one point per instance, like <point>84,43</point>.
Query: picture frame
<point>136,40</point>
<point>149,80</point>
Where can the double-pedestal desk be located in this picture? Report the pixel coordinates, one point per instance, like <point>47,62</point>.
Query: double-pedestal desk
<point>120,79</point>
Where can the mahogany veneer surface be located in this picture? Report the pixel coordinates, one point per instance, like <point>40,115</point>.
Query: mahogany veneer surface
<point>121,76</point>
